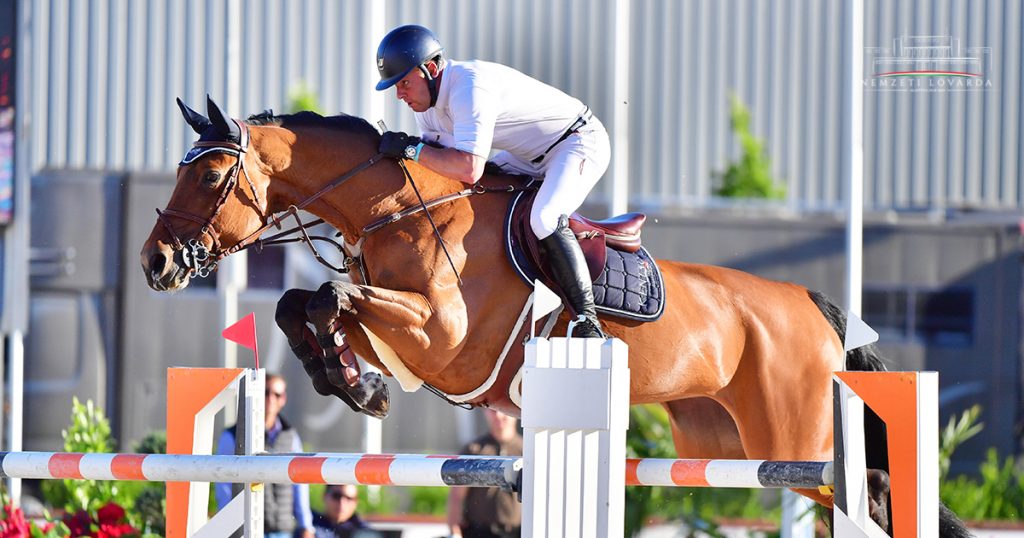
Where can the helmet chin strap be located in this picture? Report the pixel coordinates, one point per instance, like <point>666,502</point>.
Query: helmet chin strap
<point>431,82</point>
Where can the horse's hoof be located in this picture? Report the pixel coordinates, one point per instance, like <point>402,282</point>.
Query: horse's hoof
<point>878,497</point>
<point>379,403</point>
<point>336,376</point>
<point>322,385</point>
<point>314,367</point>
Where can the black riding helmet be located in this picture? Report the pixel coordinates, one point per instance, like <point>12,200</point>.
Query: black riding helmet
<point>403,49</point>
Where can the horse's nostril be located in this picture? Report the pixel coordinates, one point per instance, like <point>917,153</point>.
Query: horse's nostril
<point>157,263</point>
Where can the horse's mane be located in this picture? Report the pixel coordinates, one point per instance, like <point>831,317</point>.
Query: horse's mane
<point>343,122</point>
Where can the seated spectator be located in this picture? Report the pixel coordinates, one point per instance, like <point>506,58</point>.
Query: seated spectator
<point>339,517</point>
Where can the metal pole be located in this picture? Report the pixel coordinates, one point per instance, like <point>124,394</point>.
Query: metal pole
<point>16,239</point>
<point>376,24</point>
<point>16,356</point>
<point>620,110</point>
<point>232,271</point>
<point>853,153</point>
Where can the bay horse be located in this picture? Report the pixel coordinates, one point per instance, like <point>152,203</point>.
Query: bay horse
<point>743,365</point>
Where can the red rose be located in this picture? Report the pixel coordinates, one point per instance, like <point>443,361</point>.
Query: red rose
<point>110,513</point>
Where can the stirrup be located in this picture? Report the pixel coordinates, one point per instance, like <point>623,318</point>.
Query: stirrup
<point>585,323</point>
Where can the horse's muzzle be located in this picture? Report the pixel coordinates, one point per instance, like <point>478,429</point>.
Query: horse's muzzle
<point>162,271</point>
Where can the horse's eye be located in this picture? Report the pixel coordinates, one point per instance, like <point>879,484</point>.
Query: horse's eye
<point>211,177</point>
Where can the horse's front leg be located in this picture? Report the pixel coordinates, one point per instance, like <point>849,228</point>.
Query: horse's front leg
<point>399,318</point>
<point>291,319</point>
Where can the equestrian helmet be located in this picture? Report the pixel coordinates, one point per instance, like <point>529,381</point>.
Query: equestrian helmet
<point>403,49</point>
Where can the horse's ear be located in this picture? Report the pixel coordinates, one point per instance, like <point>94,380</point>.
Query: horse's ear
<point>197,121</point>
<point>224,124</point>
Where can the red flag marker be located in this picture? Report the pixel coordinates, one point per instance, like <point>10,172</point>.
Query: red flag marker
<point>243,333</point>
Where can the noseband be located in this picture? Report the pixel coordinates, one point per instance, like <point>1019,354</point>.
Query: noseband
<point>195,255</point>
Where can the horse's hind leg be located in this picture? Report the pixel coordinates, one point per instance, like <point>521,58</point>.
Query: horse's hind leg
<point>703,429</point>
<point>291,319</point>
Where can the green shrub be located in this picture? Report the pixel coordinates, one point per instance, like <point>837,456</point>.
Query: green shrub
<point>302,97</point>
<point>956,433</point>
<point>151,502</point>
<point>999,495</point>
<point>428,500</point>
<point>751,175</point>
<point>89,432</point>
<point>650,436</point>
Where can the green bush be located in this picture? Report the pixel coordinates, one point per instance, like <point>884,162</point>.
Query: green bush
<point>89,432</point>
<point>650,436</point>
<point>428,500</point>
<point>999,495</point>
<point>151,502</point>
<point>301,97</point>
<point>751,175</point>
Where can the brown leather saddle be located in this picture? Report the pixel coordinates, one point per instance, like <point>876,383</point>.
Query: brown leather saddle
<point>627,281</point>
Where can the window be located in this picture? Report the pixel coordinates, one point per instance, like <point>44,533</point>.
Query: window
<point>942,317</point>
<point>945,317</point>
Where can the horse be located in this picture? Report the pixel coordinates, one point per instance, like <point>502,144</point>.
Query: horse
<point>742,365</point>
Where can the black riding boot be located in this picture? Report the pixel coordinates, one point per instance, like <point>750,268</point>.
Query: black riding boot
<point>569,269</point>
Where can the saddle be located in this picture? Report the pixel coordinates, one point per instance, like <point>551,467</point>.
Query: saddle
<point>627,281</point>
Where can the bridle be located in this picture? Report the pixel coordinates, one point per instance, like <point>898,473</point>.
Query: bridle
<point>195,255</point>
<point>202,261</point>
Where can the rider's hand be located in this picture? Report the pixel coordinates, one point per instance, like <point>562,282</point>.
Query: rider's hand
<point>395,143</point>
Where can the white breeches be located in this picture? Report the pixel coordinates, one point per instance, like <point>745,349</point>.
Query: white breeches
<point>570,170</point>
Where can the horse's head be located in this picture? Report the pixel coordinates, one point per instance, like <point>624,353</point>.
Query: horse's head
<point>217,205</point>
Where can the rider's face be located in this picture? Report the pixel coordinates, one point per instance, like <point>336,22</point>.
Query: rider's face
<point>414,91</point>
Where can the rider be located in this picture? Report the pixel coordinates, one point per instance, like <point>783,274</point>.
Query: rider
<point>463,109</point>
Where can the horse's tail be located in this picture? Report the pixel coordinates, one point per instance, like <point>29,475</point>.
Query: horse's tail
<point>864,358</point>
<point>867,359</point>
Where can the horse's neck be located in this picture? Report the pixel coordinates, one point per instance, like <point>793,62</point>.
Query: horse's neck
<point>303,162</point>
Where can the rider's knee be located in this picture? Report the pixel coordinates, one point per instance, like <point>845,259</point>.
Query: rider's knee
<point>544,221</point>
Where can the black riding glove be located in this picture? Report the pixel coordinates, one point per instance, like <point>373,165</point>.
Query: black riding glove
<point>394,144</point>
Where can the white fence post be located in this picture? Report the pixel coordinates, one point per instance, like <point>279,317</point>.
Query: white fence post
<point>575,416</point>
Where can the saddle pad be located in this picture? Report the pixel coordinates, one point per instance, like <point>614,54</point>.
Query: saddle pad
<point>630,285</point>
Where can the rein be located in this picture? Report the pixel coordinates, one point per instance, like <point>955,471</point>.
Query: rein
<point>202,260</point>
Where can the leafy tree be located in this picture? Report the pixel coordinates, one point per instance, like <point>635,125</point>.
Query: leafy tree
<point>751,175</point>
<point>302,97</point>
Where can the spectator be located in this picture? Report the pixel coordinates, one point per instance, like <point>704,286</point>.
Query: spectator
<point>286,510</point>
<point>339,517</point>
<point>488,512</point>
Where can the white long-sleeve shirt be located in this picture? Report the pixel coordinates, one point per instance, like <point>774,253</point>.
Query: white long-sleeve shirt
<point>483,106</point>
